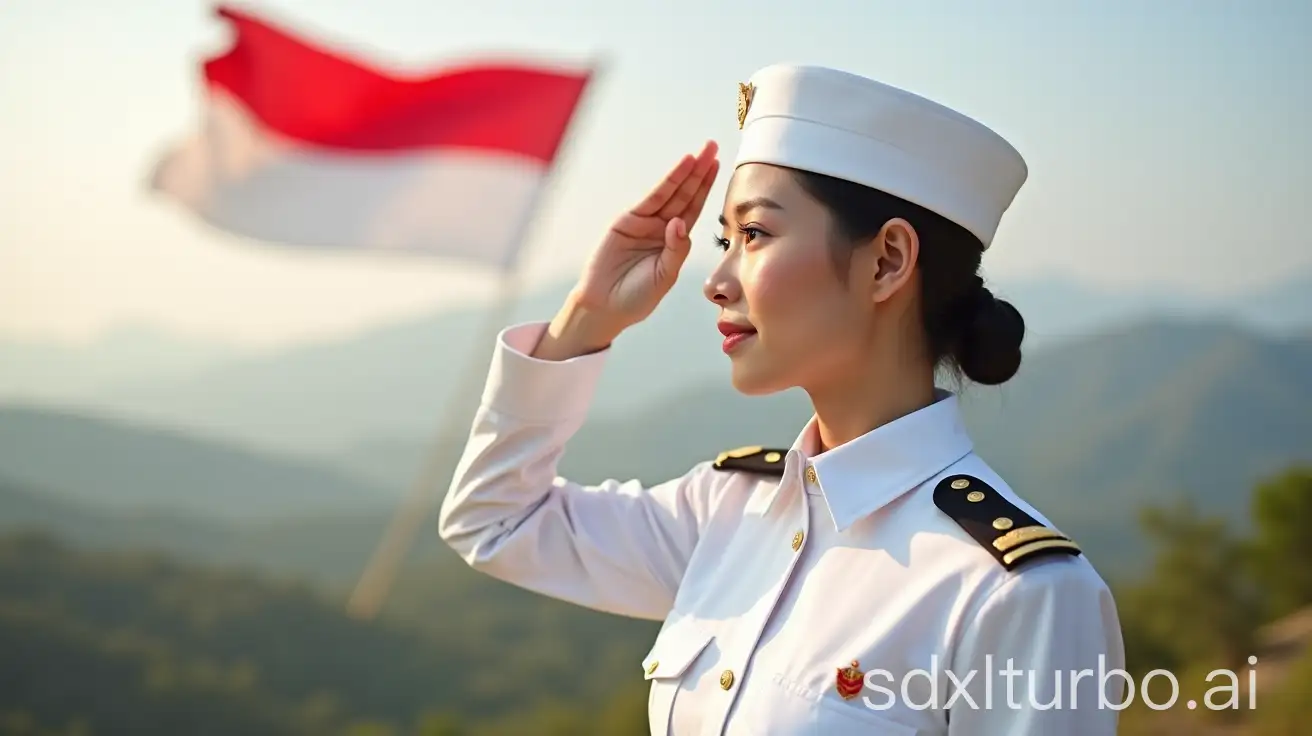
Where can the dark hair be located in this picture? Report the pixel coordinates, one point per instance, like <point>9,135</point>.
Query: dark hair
<point>966,327</point>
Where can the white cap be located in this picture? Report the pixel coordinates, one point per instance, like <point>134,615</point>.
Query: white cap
<point>831,122</point>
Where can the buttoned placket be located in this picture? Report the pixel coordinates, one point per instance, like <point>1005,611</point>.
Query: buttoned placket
<point>736,670</point>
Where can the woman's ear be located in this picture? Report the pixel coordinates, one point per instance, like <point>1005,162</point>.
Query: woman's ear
<point>896,250</point>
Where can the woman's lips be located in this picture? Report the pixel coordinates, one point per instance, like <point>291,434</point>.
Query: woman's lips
<point>734,334</point>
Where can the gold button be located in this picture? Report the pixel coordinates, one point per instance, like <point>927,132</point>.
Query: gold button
<point>960,483</point>
<point>797,541</point>
<point>772,457</point>
<point>652,667</point>
<point>975,496</point>
<point>810,475</point>
<point>1002,523</point>
<point>726,679</point>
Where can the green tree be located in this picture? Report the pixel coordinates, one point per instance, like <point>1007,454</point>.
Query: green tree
<point>1146,645</point>
<point>1284,711</point>
<point>441,724</point>
<point>369,728</point>
<point>626,713</point>
<point>1281,550</point>
<point>1198,603</point>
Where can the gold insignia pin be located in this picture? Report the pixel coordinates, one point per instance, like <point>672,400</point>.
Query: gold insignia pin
<point>735,454</point>
<point>1024,535</point>
<point>1032,548</point>
<point>745,93</point>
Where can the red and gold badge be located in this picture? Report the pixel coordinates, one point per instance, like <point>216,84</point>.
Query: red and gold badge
<point>849,680</point>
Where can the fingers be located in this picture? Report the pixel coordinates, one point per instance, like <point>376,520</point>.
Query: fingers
<point>687,190</point>
<point>657,200</point>
<point>694,208</point>
<point>675,252</point>
<point>653,202</point>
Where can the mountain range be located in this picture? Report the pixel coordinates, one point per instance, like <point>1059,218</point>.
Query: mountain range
<point>104,464</point>
<point>238,627</point>
<point>323,547</point>
<point>1090,431</point>
<point>404,380</point>
<point>71,373</point>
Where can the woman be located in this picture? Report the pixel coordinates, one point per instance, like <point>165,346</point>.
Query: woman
<point>875,578</point>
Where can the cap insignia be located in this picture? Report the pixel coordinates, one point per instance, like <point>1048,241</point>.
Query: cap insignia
<point>745,93</point>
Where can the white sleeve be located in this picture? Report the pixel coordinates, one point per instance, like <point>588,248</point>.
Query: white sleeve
<point>1043,650</point>
<point>615,546</point>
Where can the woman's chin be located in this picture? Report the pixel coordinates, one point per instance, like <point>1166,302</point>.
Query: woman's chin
<point>751,380</point>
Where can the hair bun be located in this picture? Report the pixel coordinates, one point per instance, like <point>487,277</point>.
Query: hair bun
<point>989,348</point>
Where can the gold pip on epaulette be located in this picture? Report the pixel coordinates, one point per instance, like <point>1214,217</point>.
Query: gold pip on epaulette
<point>1012,536</point>
<point>753,459</point>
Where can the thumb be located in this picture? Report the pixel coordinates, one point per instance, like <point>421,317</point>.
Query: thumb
<point>677,247</point>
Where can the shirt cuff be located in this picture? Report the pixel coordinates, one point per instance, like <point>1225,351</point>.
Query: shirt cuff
<point>539,391</point>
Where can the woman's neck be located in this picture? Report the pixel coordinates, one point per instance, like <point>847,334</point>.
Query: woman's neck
<point>849,407</point>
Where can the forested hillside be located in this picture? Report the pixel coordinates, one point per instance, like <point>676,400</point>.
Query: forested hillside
<point>150,579</point>
<point>131,643</point>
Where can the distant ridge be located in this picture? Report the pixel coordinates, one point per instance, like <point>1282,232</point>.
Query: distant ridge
<point>114,465</point>
<point>397,380</point>
<point>1091,431</point>
<point>327,548</point>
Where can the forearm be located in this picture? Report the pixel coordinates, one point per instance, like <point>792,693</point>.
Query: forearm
<point>575,331</point>
<point>615,546</point>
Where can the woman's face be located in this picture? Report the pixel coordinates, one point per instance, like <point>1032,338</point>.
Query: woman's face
<point>777,281</point>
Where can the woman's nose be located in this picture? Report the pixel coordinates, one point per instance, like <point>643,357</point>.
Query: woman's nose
<point>721,288</point>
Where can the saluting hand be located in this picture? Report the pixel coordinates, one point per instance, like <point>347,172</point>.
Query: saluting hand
<point>637,263</point>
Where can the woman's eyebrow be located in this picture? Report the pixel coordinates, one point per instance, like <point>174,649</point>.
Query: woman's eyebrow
<point>747,205</point>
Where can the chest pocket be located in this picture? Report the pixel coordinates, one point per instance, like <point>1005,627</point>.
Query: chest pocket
<point>836,717</point>
<point>677,646</point>
<point>809,706</point>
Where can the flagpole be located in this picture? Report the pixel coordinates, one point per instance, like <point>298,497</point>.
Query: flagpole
<point>376,581</point>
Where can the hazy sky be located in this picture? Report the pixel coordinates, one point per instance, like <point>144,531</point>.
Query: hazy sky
<point>1167,141</point>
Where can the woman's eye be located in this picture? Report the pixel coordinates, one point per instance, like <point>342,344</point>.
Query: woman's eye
<point>749,234</point>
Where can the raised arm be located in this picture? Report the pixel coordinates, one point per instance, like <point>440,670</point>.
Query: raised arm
<point>614,546</point>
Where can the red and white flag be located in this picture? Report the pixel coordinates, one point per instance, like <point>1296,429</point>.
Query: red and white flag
<point>306,147</point>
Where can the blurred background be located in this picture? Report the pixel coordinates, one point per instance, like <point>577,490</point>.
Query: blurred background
<point>203,438</point>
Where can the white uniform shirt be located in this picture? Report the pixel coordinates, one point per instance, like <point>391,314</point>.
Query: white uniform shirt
<point>769,587</point>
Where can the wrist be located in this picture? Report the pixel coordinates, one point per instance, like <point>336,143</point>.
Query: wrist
<point>576,330</point>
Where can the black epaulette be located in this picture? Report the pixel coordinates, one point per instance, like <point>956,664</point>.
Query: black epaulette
<point>753,460</point>
<point>1008,533</point>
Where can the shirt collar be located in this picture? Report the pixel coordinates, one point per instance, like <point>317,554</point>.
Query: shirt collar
<point>866,474</point>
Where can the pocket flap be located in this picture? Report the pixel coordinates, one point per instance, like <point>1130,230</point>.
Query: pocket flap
<point>677,645</point>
